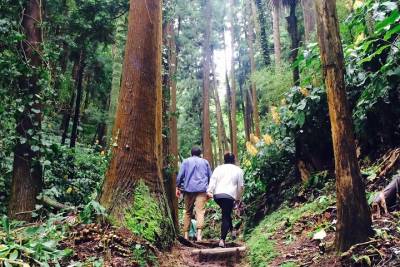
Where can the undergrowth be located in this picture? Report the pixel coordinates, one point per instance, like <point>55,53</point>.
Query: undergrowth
<point>260,240</point>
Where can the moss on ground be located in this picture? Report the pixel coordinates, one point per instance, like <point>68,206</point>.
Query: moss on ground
<point>262,246</point>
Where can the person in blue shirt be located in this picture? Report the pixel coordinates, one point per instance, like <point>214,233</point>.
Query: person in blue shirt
<point>193,178</point>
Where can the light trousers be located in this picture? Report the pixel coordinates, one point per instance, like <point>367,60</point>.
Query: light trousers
<point>196,202</point>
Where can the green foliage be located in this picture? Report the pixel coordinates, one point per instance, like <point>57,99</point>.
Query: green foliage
<point>93,210</point>
<point>144,218</point>
<point>38,244</point>
<point>373,74</point>
<point>272,84</point>
<point>143,256</point>
<point>73,175</point>
<point>318,179</point>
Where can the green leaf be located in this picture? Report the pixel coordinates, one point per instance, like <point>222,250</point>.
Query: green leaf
<point>376,53</point>
<point>13,255</point>
<point>394,16</point>
<point>301,119</point>
<point>36,111</point>
<point>389,33</point>
<point>35,148</point>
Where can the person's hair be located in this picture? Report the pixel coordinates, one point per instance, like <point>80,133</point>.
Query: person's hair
<point>196,151</point>
<point>229,158</point>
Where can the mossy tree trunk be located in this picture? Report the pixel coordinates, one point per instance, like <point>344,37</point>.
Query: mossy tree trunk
<point>263,32</point>
<point>27,181</point>
<point>354,218</point>
<point>137,155</point>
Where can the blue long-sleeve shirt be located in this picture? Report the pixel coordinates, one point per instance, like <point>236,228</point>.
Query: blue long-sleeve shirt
<point>194,175</point>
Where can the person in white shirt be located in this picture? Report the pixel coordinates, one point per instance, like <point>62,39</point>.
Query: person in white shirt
<point>226,187</point>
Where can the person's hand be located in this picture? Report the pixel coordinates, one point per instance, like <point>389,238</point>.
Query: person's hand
<point>209,195</point>
<point>178,192</point>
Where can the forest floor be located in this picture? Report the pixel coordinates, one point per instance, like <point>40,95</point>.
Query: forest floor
<point>302,234</point>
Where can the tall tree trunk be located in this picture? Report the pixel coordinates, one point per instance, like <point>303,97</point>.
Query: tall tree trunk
<point>233,82</point>
<point>249,109</point>
<point>256,23</point>
<point>27,181</point>
<point>354,220</point>
<point>117,51</point>
<point>294,38</point>
<point>309,18</point>
<point>207,148</point>
<point>246,123</point>
<point>67,117</point>
<point>137,155</point>
<point>79,91</point>
<point>68,111</point>
<point>228,95</point>
<point>172,123</point>
<point>263,32</point>
<point>276,10</point>
<point>250,41</point>
<point>222,139</point>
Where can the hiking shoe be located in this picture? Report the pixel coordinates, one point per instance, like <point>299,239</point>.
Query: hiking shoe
<point>221,243</point>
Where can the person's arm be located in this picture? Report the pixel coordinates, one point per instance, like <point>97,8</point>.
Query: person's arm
<point>209,172</point>
<point>212,184</point>
<point>240,185</point>
<point>180,179</point>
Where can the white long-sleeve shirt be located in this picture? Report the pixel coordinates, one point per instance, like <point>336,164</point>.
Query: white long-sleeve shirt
<point>227,179</point>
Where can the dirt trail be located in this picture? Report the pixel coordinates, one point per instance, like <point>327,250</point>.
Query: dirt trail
<point>183,256</point>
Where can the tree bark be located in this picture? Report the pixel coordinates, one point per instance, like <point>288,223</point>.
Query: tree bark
<point>249,110</point>
<point>228,95</point>
<point>138,151</point>
<point>354,220</point>
<point>256,23</point>
<point>294,38</point>
<point>247,124</point>
<point>173,123</point>
<point>276,10</point>
<point>222,139</point>
<point>309,18</point>
<point>207,148</point>
<point>27,181</point>
<point>263,32</point>
<point>233,82</point>
<point>250,41</point>
<point>79,91</point>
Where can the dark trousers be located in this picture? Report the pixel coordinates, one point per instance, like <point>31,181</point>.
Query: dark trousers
<point>226,204</point>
